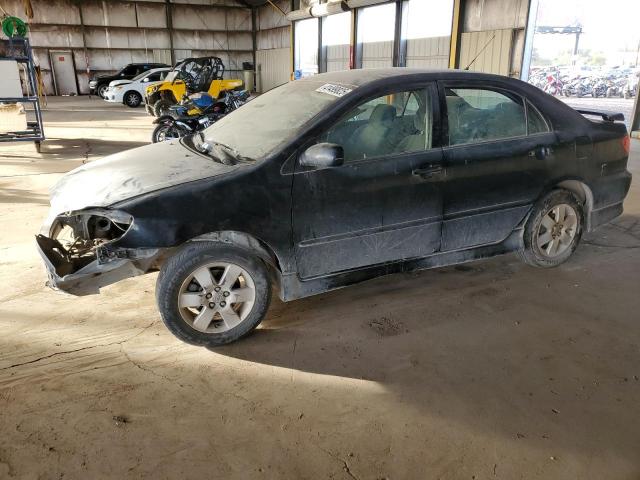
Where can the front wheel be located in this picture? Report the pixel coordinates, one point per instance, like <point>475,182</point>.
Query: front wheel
<point>132,99</point>
<point>102,89</point>
<point>165,131</point>
<point>553,230</point>
<point>211,293</point>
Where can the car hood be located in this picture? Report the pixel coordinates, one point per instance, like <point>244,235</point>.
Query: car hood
<point>118,82</point>
<point>131,173</point>
<point>100,77</point>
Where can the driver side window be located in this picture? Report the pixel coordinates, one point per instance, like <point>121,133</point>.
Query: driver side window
<point>390,124</point>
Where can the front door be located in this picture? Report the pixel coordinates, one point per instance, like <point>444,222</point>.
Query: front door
<point>64,73</point>
<point>496,163</point>
<point>384,204</point>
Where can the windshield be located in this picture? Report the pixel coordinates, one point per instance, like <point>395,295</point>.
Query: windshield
<point>141,76</point>
<point>256,128</point>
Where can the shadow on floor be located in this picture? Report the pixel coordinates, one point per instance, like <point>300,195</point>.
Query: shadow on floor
<point>538,355</point>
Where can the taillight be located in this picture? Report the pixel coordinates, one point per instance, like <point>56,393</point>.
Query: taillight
<point>626,144</point>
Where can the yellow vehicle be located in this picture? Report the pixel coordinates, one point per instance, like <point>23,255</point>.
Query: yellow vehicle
<point>190,76</point>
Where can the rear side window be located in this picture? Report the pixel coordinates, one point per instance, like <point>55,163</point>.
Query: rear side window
<point>130,70</point>
<point>479,115</point>
<point>536,122</point>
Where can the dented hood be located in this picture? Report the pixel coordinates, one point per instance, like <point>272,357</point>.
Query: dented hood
<point>131,173</point>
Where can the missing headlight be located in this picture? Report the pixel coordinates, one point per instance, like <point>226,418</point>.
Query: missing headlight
<point>75,237</point>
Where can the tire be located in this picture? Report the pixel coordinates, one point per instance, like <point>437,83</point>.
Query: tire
<point>177,280</point>
<point>541,226</point>
<point>161,107</point>
<point>101,89</point>
<point>164,130</point>
<point>132,99</point>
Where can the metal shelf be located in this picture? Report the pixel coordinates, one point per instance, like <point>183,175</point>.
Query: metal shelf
<point>19,50</point>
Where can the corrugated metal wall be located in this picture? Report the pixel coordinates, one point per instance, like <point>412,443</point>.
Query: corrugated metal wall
<point>377,54</point>
<point>273,42</point>
<point>274,68</point>
<point>121,32</point>
<point>428,52</point>
<point>337,57</point>
<point>492,49</point>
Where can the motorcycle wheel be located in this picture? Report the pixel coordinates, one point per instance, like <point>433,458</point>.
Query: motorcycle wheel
<point>164,132</point>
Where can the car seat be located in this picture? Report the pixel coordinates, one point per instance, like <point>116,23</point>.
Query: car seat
<point>372,139</point>
<point>416,141</point>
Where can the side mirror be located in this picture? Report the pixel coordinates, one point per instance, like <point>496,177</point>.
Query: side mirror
<point>323,155</point>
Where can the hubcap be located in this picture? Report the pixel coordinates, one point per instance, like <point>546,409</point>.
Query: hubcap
<point>216,297</point>
<point>557,230</point>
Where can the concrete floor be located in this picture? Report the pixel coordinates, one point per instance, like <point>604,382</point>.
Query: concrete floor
<point>491,370</point>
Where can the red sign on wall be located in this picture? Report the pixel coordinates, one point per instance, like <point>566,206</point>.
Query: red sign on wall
<point>61,59</point>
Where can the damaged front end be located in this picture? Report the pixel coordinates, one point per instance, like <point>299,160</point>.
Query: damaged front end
<point>79,252</point>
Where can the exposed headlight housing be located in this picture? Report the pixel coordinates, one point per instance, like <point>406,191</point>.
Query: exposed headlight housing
<point>78,236</point>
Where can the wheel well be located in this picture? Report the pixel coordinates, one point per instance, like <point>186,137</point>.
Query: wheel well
<point>248,242</point>
<point>167,95</point>
<point>584,194</point>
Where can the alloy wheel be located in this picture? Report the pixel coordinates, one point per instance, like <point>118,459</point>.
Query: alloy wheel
<point>557,230</point>
<point>216,297</point>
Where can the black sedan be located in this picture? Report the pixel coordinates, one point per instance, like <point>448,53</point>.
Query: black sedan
<point>335,179</point>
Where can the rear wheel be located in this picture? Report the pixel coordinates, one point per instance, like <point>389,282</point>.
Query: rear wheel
<point>161,107</point>
<point>132,99</point>
<point>553,230</point>
<point>211,294</point>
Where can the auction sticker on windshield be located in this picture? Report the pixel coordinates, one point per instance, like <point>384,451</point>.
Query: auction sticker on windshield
<point>335,90</point>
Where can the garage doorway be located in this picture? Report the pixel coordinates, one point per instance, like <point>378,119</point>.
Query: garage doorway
<point>64,72</point>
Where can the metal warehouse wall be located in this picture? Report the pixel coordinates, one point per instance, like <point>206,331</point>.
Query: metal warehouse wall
<point>493,34</point>
<point>111,33</point>
<point>273,44</point>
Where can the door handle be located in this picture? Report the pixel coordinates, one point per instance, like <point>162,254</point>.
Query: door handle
<point>541,152</point>
<point>427,172</point>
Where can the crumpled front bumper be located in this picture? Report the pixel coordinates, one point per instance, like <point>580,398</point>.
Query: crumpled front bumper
<point>90,278</point>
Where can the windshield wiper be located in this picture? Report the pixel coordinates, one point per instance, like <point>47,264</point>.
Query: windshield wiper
<point>228,153</point>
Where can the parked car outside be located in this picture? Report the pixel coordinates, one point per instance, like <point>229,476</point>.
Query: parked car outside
<point>131,92</point>
<point>99,83</point>
<point>332,180</point>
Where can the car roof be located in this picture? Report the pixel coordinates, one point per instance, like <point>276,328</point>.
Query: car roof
<point>360,77</point>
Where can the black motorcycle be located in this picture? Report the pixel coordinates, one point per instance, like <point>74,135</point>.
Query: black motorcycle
<point>179,123</point>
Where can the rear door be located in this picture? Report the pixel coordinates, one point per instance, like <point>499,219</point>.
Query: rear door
<point>384,204</point>
<point>497,163</point>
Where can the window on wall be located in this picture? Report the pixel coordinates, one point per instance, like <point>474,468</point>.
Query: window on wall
<point>336,39</point>
<point>426,33</point>
<point>306,47</point>
<point>375,35</point>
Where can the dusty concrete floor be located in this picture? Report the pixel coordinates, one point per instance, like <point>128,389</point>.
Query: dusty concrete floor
<point>488,370</point>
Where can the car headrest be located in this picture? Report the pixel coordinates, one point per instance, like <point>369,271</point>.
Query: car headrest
<point>382,113</point>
